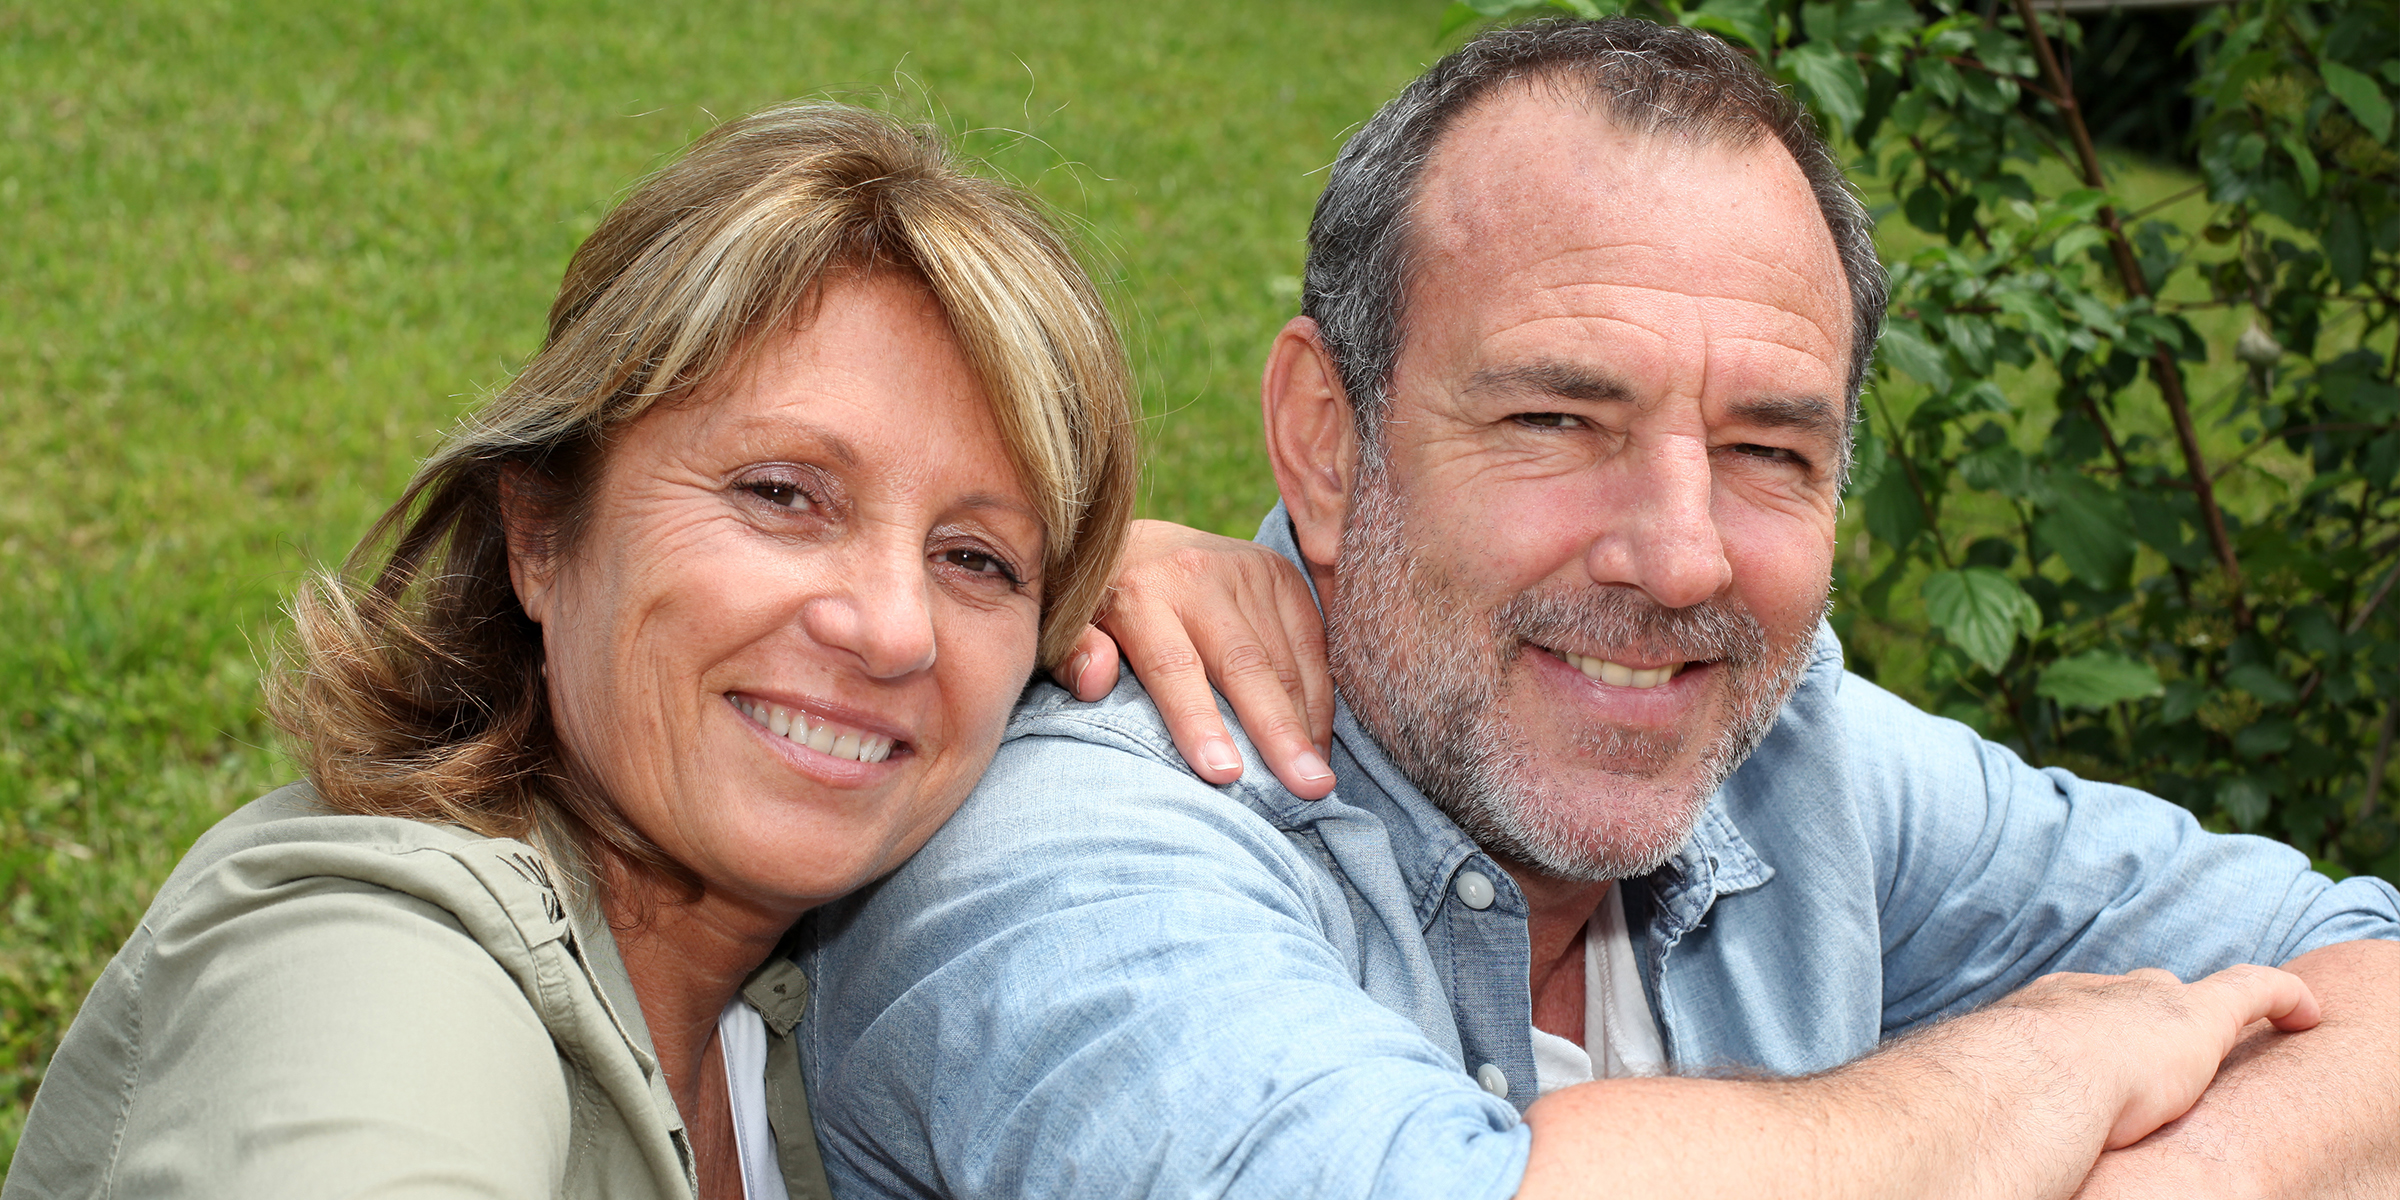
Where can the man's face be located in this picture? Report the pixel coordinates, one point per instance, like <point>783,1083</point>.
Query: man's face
<point>1587,570</point>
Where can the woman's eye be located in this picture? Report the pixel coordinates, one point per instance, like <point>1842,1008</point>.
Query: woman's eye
<point>976,562</point>
<point>1550,420</point>
<point>779,494</point>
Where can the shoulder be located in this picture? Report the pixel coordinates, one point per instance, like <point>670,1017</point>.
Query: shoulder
<point>344,987</point>
<point>1105,778</point>
<point>1086,808</point>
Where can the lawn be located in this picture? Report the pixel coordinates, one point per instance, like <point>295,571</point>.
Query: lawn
<point>259,255</point>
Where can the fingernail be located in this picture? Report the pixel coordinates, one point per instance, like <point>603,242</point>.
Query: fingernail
<point>1075,669</point>
<point>1310,766</point>
<point>1220,755</point>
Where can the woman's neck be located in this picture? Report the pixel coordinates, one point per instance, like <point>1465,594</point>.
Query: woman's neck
<point>687,961</point>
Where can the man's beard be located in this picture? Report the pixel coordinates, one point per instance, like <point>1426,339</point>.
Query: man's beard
<point>1428,676</point>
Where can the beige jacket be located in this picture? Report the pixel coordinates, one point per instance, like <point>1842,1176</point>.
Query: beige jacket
<point>321,1005</point>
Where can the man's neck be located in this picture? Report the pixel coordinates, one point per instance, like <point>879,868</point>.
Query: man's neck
<point>1557,910</point>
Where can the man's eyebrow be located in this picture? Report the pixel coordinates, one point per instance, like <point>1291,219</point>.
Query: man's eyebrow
<point>1563,380</point>
<point>1809,414</point>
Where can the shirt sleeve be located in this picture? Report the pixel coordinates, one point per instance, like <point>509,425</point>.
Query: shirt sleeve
<point>1995,872</point>
<point>1122,983</point>
<point>321,1036</point>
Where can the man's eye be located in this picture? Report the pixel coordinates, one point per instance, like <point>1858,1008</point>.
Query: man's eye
<point>1550,420</point>
<point>976,562</point>
<point>1770,453</point>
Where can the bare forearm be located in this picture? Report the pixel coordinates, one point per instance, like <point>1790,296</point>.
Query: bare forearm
<point>1928,1116</point>
<point>2015,1101</point>
<point>2290,1114</point>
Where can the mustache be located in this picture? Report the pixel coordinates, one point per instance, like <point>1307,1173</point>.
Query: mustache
<point>1622,619</point>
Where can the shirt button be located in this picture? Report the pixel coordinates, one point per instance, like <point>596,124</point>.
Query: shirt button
<point>1475,889</point>
<point>1493,1080</point>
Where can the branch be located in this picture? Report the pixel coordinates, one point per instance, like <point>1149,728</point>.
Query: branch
<point>2359,620</point>
<point>2163,366</point>
<point>2272,436</point>
<point>2383,756</point>
<point>1908,467</point>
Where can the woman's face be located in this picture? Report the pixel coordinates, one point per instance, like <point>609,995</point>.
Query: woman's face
<point>789,635</point>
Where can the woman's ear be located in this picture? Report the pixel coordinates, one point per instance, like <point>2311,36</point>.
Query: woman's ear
<point>529,568</point>
<point>1311,439</point>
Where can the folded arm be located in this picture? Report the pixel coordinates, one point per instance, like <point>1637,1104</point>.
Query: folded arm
<point>2014,1101</point>
<point>2291,1114</point>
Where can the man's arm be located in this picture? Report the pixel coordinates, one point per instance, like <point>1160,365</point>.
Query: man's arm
<point>2290,1114</point>
<point>2014,1101</point>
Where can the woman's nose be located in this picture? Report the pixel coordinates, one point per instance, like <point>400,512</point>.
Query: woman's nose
<point>880,611</point>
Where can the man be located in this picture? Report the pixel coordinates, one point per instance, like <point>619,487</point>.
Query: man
<point>1622,869</point>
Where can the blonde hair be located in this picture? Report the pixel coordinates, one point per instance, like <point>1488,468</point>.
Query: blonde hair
<point>418,688</point>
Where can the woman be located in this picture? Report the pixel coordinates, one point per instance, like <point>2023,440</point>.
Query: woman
<point>712,615</point>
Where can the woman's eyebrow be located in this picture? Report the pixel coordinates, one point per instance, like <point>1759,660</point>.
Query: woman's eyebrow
<point>779,430</point>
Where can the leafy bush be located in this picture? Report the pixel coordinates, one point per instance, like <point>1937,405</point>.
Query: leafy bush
<point>2186,591</point>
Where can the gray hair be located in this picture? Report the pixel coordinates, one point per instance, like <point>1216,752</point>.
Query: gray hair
<point>1649,79</point>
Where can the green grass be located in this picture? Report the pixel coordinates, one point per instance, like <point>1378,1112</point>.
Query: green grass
<point>258,255</point>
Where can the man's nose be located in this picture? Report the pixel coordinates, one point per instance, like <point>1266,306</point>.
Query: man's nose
<point>1662,534</point>
<point>880,612</point>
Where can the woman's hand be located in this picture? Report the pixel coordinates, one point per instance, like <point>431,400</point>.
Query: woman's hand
<point>1191,610</point>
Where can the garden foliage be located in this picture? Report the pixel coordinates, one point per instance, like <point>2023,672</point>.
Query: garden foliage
<point>2185,588</point>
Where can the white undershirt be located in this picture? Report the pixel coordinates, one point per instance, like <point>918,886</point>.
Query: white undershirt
<point>742,1040</point>
<point>1618,1033</point>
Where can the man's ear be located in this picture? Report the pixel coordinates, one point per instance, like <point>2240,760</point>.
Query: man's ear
<point>529,569</point>
<point>1311,438</point>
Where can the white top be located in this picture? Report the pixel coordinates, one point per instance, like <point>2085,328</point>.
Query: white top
<point>742,1038</point>
<point>1618,1032</point>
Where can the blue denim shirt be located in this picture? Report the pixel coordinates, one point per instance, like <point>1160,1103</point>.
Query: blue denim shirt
<point>1106,977</point>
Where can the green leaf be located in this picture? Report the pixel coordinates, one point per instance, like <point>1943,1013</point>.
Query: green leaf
<point>2360,95</point>
<point>2096,679</point>
<point>2157,523</point>
<point>1833,81</point>
<point>1981,611</point>
<point>2263,683</point>
<point>1458,16</point>
<point>2075,241</point>
<point>1893,514</point>
<point>2040,317</point>
<point>2305,161</point>
<point>1750,22</point>
<point>2245,800</point>
<point>2184,698</point>
<point>2091,531</point>
<point>2262,738</point>
<point>1906,348</point>
<point>1924,208</point>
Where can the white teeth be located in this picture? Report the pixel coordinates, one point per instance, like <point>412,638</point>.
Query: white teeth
<point>1618,674</point>
<point>822,736</point>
